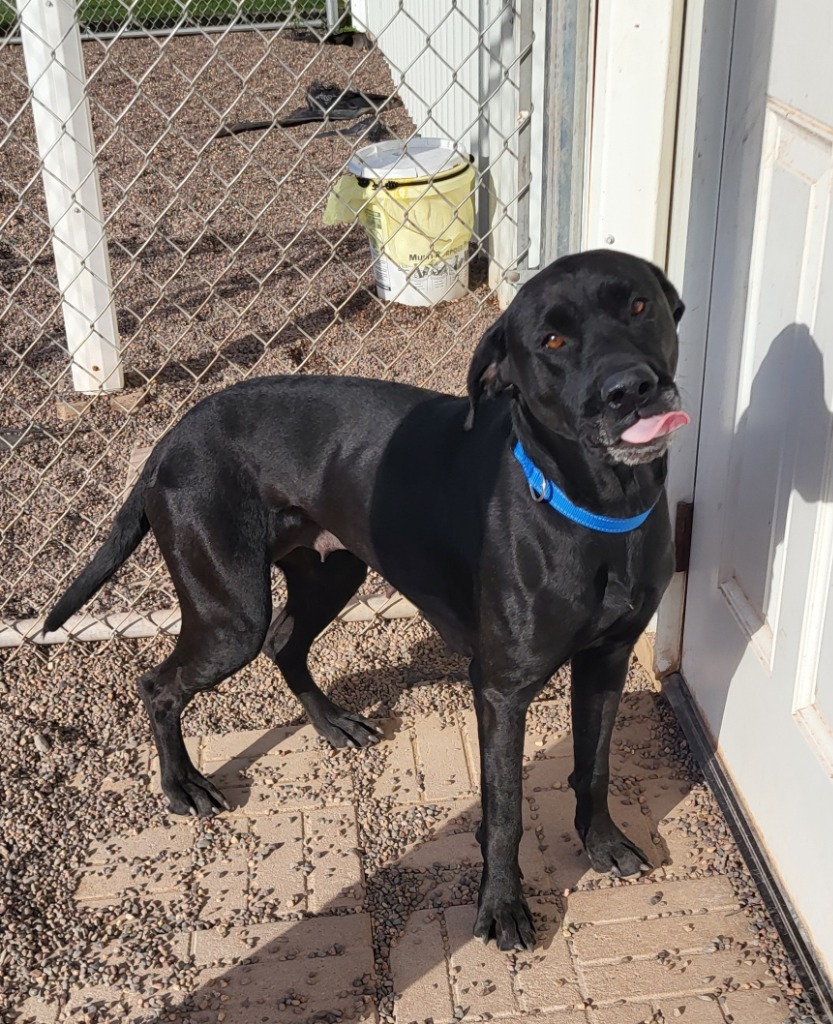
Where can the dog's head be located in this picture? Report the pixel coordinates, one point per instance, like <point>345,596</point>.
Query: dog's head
<point>590,347</point>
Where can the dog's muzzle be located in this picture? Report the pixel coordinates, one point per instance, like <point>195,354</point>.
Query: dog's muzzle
<point>646,438</point>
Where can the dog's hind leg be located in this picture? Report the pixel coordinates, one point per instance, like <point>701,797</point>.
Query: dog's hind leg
<point>226,605</point>
<point>316,592</point>
<point>207,652</point>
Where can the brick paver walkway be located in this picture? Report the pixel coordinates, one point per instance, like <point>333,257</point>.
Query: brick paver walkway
<point>276,926</point>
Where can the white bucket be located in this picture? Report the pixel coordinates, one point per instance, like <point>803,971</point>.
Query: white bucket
<point>423,285</point>
<point>431,277</point>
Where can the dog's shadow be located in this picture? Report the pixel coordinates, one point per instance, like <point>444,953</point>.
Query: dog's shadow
<point>430,662</point>
<point>419,900</point>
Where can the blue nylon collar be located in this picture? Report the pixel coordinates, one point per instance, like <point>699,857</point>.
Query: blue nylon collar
<point>545,490</point>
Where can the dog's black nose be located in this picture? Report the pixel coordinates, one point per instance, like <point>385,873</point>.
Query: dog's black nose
<point>633,386</point>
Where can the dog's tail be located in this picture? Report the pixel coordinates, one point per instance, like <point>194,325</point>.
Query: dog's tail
<point>129,527</point>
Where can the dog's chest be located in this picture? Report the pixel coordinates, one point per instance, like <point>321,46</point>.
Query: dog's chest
<point>621,599</point>
<point>621,593</point>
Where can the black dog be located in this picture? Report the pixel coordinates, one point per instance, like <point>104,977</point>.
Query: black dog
<point>452,502</point>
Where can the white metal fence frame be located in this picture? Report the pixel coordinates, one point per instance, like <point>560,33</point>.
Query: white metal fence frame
<point>51,39</point>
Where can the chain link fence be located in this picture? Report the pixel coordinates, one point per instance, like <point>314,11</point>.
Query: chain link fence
<point>173,259</point>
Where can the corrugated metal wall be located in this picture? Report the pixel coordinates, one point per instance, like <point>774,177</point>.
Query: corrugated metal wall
<point>433,50</point>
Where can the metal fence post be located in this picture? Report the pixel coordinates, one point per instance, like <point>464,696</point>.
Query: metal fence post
<point>332,14</point>
<point>51,39</point>
<point>500,121</point>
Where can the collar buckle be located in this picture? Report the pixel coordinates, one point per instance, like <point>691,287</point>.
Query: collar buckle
<point>541,495</point>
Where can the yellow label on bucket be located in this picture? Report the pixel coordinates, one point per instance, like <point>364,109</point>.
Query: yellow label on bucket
<point>410,223</point>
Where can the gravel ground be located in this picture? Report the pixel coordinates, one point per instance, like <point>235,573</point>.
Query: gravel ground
<point>224,269</point>
<point>69,719</point>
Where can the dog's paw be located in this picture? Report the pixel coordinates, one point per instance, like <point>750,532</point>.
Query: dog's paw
<point>345,729</point>
<point>507,921</point>
<point>610,851</point>
<point>194,795</point>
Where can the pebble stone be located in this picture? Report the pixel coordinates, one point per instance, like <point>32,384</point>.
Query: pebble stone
<point>42,744</point>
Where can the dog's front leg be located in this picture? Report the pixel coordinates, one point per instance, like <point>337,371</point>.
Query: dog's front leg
<point>598,679</point>
<point>501,715</point>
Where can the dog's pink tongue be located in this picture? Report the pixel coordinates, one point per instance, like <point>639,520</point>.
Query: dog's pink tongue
<point>655,426</point>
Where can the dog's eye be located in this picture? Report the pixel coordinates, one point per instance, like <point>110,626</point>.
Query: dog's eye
<point>554,340</point>
<point>637,307</point>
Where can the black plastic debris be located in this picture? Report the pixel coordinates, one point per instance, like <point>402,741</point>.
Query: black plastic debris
<point>324,103</point>
<point>15,437</point>
<point>347,38</point>
<point>371,127</point>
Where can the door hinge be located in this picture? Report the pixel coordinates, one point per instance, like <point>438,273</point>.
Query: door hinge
<point>682,535</point>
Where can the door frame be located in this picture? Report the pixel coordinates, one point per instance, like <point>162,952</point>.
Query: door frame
<point>698,162</point>
<point>628,183</point>
<point>674,222</point>
<point>681,53</point>
<point>652,56</point>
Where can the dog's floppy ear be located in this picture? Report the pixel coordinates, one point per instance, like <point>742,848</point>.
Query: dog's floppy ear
<point>675,303</point>
<point>484,376</point>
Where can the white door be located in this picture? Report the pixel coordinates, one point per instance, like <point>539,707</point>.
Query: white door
<point>758,637</point>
